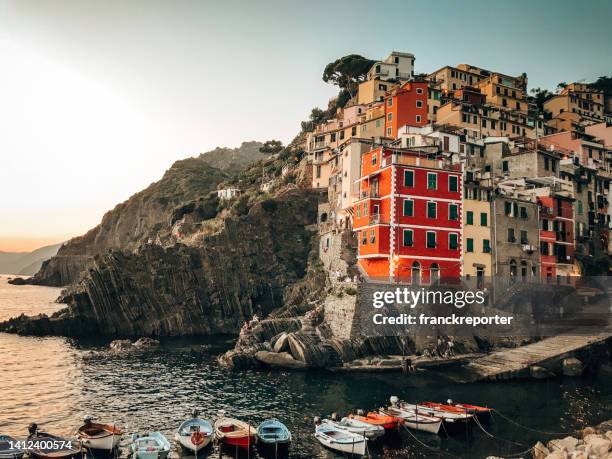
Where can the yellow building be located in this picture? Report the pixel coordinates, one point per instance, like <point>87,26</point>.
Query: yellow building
<point>477,235</point>
<point>577,98</point>
<point>504,91</point>
<point>373,91</point>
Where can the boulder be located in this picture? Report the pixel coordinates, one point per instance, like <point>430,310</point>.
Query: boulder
<point>558,454</point>
<point>146,343</point>
<point>572,367</point>
<point>282,343</point>
<point>120,345</point>
<point>280,360</point>
<point>540,451</point>
<point>540,372</point>
<point>598,445</point>
<point>587,431</point>
<point>17,281</point>
<point>565,444</point>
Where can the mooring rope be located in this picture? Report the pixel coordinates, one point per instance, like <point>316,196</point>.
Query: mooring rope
<point>431,448</point>
<point>478,423</point>
<point>543,432</point>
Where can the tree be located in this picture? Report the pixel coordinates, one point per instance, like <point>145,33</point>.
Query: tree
<point>540,96</point>
<point>561,86</point>
<point>271,147</point>
<point>347,72</point>
<point>603,83</point>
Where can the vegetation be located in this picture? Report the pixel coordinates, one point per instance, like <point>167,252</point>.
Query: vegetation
<point>347,72</point>
<point>603,83</point>
<point>540,96</point>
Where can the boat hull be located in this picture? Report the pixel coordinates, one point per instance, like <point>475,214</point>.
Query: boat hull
<point>186,444</point>
<point>107,443</point>
<point>273,450</point>
<point>244,442</point>
<point>357,448</point>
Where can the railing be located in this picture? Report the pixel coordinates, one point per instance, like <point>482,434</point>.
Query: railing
<point>364,194</point>
<point>376,219</point>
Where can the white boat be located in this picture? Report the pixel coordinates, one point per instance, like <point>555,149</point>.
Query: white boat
<point>194,434</point>
<point>370,431</point>
<point>340,440</point>
<point>415,421</point>
<point>93,435</point>
<point>152,446</point>
<point>444,415</point>
<point>9,449</point>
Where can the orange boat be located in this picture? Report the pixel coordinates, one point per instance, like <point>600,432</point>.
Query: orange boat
<point>475,409</point>
<point>444,407</point>
<point>377,419</point>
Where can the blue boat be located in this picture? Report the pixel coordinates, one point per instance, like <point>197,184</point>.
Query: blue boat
<point>273,439</point>
<point>152,446</point>
<point>8,448</point>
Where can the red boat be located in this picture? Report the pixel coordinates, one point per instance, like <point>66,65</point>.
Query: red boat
<point>377,419</point>
<point>465,408</point>
<point>444,407</point>
<point>480,411</point>
<point>234,432</point>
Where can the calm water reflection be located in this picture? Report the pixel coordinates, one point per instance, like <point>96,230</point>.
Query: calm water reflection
<point>55,381</point>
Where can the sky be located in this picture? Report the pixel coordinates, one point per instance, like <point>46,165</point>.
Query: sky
<point>99,98</point>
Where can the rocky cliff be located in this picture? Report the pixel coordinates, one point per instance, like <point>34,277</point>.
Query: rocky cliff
<point>147,214</point>
<point>249,264</point>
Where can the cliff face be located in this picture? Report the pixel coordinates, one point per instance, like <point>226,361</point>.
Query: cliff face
<point>146,214</point>
<point>241,269</point>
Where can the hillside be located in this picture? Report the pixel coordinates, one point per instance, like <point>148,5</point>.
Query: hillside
<point>148,215</point>
<point>26,263</point>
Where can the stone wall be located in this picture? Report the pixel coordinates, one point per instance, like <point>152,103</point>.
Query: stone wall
<point>340,311</point>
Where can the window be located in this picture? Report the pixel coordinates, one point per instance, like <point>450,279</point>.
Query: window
<point>483,219</point>
<point>523,213</point>
<point>390,116</point>
<point>419,104</point>
<point>364,237</point>
<point>418,118</point>
<point>354,130</point>
<point>415,273</point>
<point>431,239</point>
<point>358,207</point>
<point>435,273</point>
<point>483,122</point>
<point>372,236</point>
<point>419,90</point>
<point>407,238</point>
<point>341,134</point>
<point>333,137</point>
<point>511,237</point>
<point>390,102</point>
<point>543,248</point>
<point>431,210</point>
<point>475,119</point>
<point>545,224</point>
<point>469,245</point>
<point>524,239</point>
<point>579,207</point>
<point>453,241</point>
<point>409,178</point>
<point>432,181</point>
<point>365,209</point>
<point>486,246</point>
<point>374,159</point>
<point>453,211</point>
<point>508,208</point>
<point>453,183</point>
<point>469,217</point>
<point>546,161</point>
<point>408,210</point>
<point>389,132</point>
<point>378,123</point>
<point>505,166</point>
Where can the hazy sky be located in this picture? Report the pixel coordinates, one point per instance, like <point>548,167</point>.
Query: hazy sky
<point>98,99</point>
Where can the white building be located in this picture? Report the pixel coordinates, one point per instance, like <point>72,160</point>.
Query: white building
<point>397,66</point>
<point>228,193</point>
<point>445,140</point>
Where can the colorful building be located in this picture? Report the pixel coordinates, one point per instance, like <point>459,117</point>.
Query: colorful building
<point>406,105</point>
<point>408,217</point>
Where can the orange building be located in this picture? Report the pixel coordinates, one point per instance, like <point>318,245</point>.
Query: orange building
<point>408,217</point>
<point>406,105</point>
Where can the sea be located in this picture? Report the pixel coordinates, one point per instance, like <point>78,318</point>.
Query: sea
<point>56,381</point>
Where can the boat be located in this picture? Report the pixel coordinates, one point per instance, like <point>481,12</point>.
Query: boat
<point>458,416</point>
<point>370,431</point>
<point>9,448</point>
<point>42,445</point>
<point>273,439</point>
<point>415,421</point>
<point>234,432</point>
<point>98,436</point>
<point>378,419</point>
<point>340,440</point>
<point>151,446</point>
<point>194,434</point>
<point>482,412</point>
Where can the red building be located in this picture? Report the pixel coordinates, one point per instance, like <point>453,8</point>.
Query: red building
<point>556,236</point>
<point>408,216</point>
<point>406,105</point>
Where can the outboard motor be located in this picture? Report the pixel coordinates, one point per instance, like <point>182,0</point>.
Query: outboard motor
<point>450,402</point>
<point>195,413</point>
<point>394,400</point>
<point>88,418</point>
<point>317,420</point>
<point>334,416</point>
<point>32,429</point>
<point>360,412</point>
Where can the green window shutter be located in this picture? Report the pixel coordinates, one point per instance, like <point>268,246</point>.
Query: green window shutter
<point>486,246</point>
<point>453,241</point>
<point>408,238</point>
<point>408,208</point>
<point>453,183</point>
<point>431,210</point>
<point>452,212</point>
<point>469,218</point>
<point>432,181</point>
<point>431,240</point>
<point>483,219</point>
<point>409,178</point>
<point>469,244</point>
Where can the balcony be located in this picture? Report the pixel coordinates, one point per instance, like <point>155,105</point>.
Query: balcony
<point>378,219</point>
<point>368,194</point>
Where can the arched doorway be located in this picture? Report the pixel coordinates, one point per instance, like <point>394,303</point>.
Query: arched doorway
<point>434,274</point>
<point>415,273</point>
